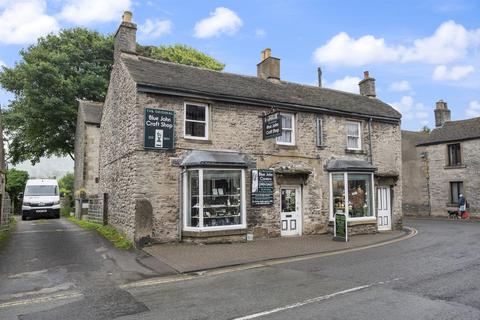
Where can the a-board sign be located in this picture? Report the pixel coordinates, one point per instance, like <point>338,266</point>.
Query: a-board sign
<point>272,126</point>
<point>159,129</point>
<point>340,227</point>
<point>262,187</point>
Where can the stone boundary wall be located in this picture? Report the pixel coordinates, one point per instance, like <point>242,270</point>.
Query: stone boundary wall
<point>95,208</point>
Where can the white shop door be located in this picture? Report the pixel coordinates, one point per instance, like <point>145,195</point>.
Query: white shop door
<point>290,211</point>
<point>384,209</point>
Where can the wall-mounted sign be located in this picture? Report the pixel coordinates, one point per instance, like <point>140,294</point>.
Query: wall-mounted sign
<point>159,129</point>
<point>272,126</point>
<point>262,187</point>
<point>340,228</point>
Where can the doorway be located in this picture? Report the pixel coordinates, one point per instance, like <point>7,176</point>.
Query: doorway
<point>290,210</point>
<point>384,219</point>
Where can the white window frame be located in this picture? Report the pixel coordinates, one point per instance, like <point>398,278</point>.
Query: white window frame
<point>243,204</point>
<point>345,184</point>
<point>319,133</point>
<point>359,125</point>
<point>207,120</point>
<point>291,143</point>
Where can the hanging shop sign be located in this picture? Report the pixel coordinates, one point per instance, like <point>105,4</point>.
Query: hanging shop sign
<point>262,187</point>
<point>340,228</point>
<point>272,126</point>
<point>159,129</point>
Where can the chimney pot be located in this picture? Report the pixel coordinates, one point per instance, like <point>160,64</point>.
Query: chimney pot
<point>367,86</point>
<point>366,75</point>
<point>127,16</point>
<point>442,113</point>
<point>268,53</point>
<point>319,70</point>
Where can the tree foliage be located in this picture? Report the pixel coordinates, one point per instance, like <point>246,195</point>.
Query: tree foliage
<point>426,129</point>
<point>15,183</point>
<point>66,184</point>
<point>53,74</point>
<point>181,54</point>
<point>40,121</point>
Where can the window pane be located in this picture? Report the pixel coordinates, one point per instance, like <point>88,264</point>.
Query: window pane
<point>288,200</point>
<point>319,132</point>
<point>352,143</point>
<point>285,137</point>
<point>195,112</point>
<point>352,129</point>
<point>338,189</point>
<point>195,129</point>
<point>456,188</point>
<point>222,198</point>
<point>287,121</point>
<point>359,195</point>
<point>193,199</point>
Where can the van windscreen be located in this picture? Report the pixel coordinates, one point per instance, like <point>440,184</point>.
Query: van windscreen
<point>41,190</point>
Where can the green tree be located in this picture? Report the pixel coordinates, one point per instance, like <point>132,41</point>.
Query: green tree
<point>66,184</point>
<point>15,183</point>
<point>40,121</point>
<point>53,74</point>
<point>426,129</point>
<point>182,54</point>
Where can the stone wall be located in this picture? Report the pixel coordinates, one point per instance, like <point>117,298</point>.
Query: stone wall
<point>90,166</point>
<point>79,151</point>
<point>441,175</point>
<point>414,175</point>
<point>118,161</point>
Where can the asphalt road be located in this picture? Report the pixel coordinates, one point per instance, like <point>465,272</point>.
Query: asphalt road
<point>434,275</point>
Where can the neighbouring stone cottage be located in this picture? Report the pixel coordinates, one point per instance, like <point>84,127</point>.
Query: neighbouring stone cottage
<point>87,142</point>
<point>186,153</point>
<point>440,165</point>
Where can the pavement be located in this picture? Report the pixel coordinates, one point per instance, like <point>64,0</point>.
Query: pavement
<point>185,258</point>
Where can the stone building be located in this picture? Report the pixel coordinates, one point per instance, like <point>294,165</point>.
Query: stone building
<point>186,153</point>
<point>87,141</point>
<point>441,165</point>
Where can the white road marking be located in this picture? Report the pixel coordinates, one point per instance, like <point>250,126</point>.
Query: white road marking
<point>27,274</point>
<point>62,287</point>
<point>219,271</point>
<point>101,249</point>
<point>312,300</point>
<point>51,298</point>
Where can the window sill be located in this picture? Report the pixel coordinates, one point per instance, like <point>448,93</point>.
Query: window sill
<point>322,147</point>
<point>194,140</point>
<point>203,233</point>
<point>359,221</point>
<point>287,146</point>
<point>460,166</point>
<point>355,151</point>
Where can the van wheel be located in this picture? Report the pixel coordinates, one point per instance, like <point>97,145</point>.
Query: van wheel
<point>24,218</point>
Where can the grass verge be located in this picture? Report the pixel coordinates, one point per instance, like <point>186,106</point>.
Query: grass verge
<point>108,232</point>
<point>6,232</point>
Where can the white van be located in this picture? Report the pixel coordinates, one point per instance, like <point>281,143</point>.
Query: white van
<point>41,198</point>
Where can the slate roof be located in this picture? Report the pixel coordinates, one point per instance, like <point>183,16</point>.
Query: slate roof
<point>214,158</point>
<point>216,84</point>
<point>350,165</point>
<point>453,131</point>
<point>91,111</point>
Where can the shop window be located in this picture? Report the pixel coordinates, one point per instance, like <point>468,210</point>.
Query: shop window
<point>456,189</point>
<point>288,129</point>
<point>351,193</point>
<point>320,142</point>
<point>454,154</point>
<point>353,135</point>
<point>196,121</point>
<point>215,199</point>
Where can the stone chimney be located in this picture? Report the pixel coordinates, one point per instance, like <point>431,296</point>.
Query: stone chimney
<point>367,86</point>
<point>125,38</point>
<point>442,113</point>
<point>269,67</point>
<point>319,71</point>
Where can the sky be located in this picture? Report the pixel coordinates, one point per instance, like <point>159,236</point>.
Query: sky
<point>418,51</point>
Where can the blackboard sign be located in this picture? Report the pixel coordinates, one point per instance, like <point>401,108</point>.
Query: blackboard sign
<point>159,129</point>
<point>272,127</point>
<point>340,227</point>
<point>262,187</point>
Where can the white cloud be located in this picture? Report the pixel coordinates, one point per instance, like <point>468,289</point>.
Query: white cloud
<point>2,63</point>
<point>473,109</point>
<point>343,50</point>
<point>400,86</point>
<point>22,22</point>
<point>90,11</point>
<point>221,21</point>
<point>455,73</point>
<point>348,84</point>
<point>155,29</point>
<point>260,33</point>
<point>411,110</point>
<point>449,42</point>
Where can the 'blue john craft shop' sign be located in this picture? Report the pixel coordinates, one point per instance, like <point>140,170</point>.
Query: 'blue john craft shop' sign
<point>159,129</point>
